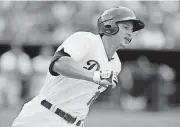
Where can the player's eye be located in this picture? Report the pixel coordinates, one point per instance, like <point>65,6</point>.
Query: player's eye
<point>126,27</point>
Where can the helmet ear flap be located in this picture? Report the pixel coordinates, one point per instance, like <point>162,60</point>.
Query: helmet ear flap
<point>110,28</point>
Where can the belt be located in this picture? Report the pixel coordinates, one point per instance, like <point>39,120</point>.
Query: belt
<point>62,114</point>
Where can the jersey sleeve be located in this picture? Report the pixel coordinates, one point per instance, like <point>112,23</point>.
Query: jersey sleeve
<point>77,46</point>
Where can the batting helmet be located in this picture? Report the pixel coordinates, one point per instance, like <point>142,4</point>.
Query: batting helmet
<point>107,23</point>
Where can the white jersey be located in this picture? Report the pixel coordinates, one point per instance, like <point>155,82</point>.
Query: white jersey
<point>74,96</point>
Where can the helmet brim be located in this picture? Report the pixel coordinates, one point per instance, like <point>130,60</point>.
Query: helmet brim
<point>138,25</point>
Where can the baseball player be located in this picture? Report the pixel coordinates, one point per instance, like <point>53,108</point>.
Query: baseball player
<point>81,69</point>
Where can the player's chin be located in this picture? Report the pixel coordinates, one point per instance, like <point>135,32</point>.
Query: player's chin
<point>125,44</point>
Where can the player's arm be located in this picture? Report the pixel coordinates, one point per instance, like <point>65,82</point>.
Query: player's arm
<point>63,64</point>
<point>66,60</point>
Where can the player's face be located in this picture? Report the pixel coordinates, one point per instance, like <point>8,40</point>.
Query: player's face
<point>124,36</point>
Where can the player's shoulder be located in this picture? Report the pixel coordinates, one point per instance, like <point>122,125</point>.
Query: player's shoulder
<point>80,37</point>
<point>82,34</point>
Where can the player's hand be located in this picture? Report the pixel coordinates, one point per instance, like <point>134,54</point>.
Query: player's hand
<point>104,78</point>
<point>105,83</point>
<point>107,78</point>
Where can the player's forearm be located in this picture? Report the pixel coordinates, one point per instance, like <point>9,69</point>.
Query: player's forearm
<point>68,67</point>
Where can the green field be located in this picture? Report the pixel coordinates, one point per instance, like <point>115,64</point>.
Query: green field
<point>114,118</point>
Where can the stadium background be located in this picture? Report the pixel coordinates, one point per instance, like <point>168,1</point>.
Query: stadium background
<point>149,91</point>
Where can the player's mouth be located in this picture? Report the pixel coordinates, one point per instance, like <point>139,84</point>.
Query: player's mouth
<point>127,40</point>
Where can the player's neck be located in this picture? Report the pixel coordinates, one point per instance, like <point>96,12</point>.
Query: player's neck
<point>109,47</point>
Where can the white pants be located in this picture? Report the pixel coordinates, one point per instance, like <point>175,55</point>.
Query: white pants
<point>33,114</point>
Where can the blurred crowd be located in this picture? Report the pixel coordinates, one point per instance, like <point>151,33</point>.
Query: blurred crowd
<point>146,85</point>
<point>22,77</point>
<point>37,22</point>
<point>143,85</point>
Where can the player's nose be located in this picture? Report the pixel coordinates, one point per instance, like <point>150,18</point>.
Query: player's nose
<point>129,33</point>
